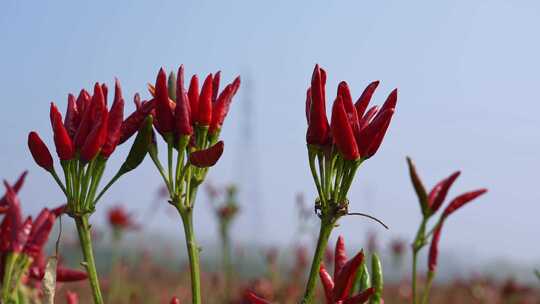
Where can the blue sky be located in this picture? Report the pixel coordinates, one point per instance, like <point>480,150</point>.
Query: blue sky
<point>467,74</point>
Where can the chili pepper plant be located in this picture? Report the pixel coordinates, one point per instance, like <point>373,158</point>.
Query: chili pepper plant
<point>337,150</point>
<point>190,123</point>
<point>430,203</point>
<point>84,141</point>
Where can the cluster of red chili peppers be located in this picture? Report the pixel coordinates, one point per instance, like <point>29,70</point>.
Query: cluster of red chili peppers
<point>354,134</point>
<point>22,241</point>
<point>189,121</point>
<point>430,203</point>
<point>84,141</point>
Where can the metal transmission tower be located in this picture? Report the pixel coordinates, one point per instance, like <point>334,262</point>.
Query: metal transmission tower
<point>248,159</point>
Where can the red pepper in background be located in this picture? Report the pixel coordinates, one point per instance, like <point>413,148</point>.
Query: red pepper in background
<point>70,275</point>
<point>461,200</point>
<point>40,152</point>
<point>440,190</point>
<point>62,140</point>
<point>204,115</point>
<point>116,116</point>
<point>40,233</point>
<point>175,300</point>
<point>434,249</point>
<point>254,299</point>
<point>120,219</point>
<point>72,297</point>
<point>16,188</point>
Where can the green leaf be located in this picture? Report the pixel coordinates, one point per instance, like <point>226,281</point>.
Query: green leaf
<point>376,279</point>
<point>140,146</point>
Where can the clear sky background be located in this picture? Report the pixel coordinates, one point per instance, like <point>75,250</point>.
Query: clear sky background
<point>467,73</point>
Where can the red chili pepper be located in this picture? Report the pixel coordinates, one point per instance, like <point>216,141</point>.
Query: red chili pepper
<point>254,299</point>
<point>73,117</point>
<point>105,90</point>
<point>98,134</point>
<point>164,114</point>
<point>434,248</point>
<point>16,188</point>
<point>318,132</point>
<point>39,151</point>
<point>204,115</point>
<point>175,300</point>
<point>62,140</point>
<point>116,116</point>
<point>364,99</point>
<point>120,219</point>
<point>134,121</point>
<point>340,256</point>
<point>182,110</point>
<point>377,139</point>
<point>72,297</point>
<point>70,275</point>
<point>22,233</point>
<point>461,200</point>
<point>222,104</point>
<point>337,290</point>
<point>342,131</point>
<point>418,186</point>
<point>345,93</point>
<point>58,211</point>
<point>362,297</point>
<point>83,101</point>
<point>208,157</point>
<point>40,233</point>
<point>215,86</point>
<point>193,94</point>
<point>439,191</point>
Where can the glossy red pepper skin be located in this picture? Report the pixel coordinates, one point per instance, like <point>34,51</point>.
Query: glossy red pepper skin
<point>175,300</point>
<point>73,117</point>
<point>41,154</point>
<point>62,140</point>
<point>116,117</point>
<point>193,95</point>
<point>438,193</point>
<point>221,105</point>
<point>318,132</point>
<point>461,200</point>
<point>434,249</point>
<point>337,289</point>
<point>342,131</point>
<point>183,125</point>
<point>204,115</point>
<point>164,114</point>
<point>72,297</point>
<point>40,232</point>
<point>133,122</point>
<point>208,157</point>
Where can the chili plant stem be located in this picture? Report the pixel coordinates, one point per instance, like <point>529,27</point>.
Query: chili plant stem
<point>193,253</point>
<point>8,271</point>
<point>425,299</point>
<point>85,238</point>
<point>419,242</point>
<point>324,235</point>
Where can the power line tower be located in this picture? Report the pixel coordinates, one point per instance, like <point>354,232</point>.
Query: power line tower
<point>248,159</point>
